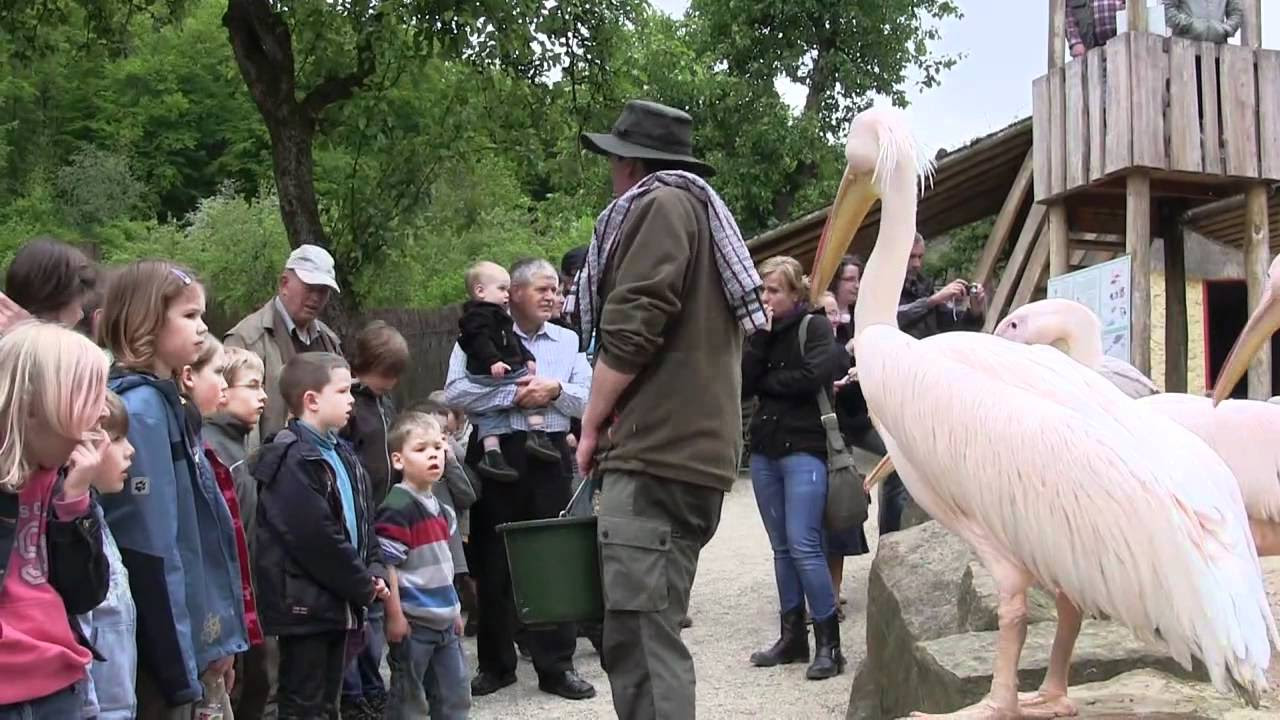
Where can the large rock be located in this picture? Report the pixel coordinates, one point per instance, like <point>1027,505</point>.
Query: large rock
<point>979,601</point>
<point>1150,694</point>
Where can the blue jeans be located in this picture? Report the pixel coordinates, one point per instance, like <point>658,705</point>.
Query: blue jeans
<point>791,494</point>
<point>363,677</point>
<point>63,704</point>
<point>495,422</point>
<point>428,676</point>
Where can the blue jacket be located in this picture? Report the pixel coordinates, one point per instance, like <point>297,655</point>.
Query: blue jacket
<point>176,539</point>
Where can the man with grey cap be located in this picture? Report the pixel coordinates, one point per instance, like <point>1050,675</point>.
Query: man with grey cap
<point>666,293</point>
<point>288,324</point>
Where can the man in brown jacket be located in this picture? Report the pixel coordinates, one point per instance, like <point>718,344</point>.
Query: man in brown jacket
<point>663,419</point>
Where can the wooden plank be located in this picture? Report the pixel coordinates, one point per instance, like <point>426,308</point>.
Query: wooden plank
<point>1137,239</point>
<point>1031,229</point>
<point>1211,130</point>
<point>1251,28</point>
<point>1257,260</point>
<point>1096,246</point>
<point>1175,305</point>
<point>1269,113</point>
<point>1095,100</point>
<point>1002,229</point>
<point>1077,125</point>
<point>1057,33</point>
<point>1239,112</point>
<point>1037,265</point>
<point>1041,138</point>
<point>1057,131</point>
<point>1149,67</point>
<point>1059,250</point>
<point>1184,107</point>
<point>1137,12</point>
<point>1119,151</point>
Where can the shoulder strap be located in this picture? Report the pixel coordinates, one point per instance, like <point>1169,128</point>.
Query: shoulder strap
<point>830,423</point>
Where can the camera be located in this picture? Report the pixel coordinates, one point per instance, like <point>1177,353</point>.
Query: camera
<point>973,289</point>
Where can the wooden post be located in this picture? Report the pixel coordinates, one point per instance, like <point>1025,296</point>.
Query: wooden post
<point>1257,259</point>
<point>1175,301</point>
<point>1057,32</point>
<point>1137,10</point>
<point>1251,28</point>
<point>1059,262</point>
<point>1137,241</point>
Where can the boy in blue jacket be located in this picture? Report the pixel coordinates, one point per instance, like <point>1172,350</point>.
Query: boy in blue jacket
<point>314,542</point>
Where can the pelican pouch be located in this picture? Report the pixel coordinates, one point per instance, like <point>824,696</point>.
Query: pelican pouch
<point>846,501</point>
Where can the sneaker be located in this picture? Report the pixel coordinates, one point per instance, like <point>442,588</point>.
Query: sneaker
<point>539,446</point>
<point>495,467</point>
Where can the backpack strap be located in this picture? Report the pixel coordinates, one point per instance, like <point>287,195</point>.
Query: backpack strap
<point>830,422</point>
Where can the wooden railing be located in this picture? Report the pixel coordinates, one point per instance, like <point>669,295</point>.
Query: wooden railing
<point>1163,104</point>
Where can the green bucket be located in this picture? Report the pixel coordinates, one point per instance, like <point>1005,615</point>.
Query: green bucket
<point>555,570</point>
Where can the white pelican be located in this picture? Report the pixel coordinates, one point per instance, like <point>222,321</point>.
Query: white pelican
<point>1041,466</point>
<point>1245,433</point>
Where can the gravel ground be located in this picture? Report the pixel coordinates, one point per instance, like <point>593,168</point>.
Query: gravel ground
<point>734,610</point>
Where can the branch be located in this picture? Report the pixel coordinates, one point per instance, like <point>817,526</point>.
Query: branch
<point>342,87</point>
<point>264,52</point>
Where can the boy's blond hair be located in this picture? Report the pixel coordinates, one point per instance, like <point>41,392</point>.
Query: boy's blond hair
<point>406,424</point>
<point>239,360</point>
<point>478,273</point>
<point>115,423</point>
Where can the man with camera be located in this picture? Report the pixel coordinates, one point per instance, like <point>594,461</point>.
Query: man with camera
<point>923,312</point>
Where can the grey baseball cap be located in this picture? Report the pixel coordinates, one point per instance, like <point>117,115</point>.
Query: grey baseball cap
<point>313,265</point>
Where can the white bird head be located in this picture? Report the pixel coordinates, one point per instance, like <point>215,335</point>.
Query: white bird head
<point>880,142</point>
<point>1056,321</point>
<point>1262,324</point>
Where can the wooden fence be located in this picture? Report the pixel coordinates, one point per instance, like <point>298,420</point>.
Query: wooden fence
<point>431,335</point>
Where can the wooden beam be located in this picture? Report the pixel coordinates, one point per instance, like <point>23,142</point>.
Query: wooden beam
<point>1175,303</point>
<point>1097,245</point>
<point>1137,239</point>
<point>1257,259</point>
<point>1013,269</point>
<point>1251,28</point>
<point>1059,251</point>
<point>1137,11</point>
<point>1034,274</point>
<point>1057,32</point>
<point>1003,227</point>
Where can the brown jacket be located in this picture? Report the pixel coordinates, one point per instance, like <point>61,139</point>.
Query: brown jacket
<point>665,319</point>
<point>264,333</point>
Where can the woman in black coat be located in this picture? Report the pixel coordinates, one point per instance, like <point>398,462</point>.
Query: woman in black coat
<point>789,463</point>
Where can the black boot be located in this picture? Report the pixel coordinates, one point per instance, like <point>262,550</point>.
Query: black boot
<point>792,645</point>
<point>828,661</point>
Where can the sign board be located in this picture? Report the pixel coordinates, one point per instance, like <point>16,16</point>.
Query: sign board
<point>1104,289</point>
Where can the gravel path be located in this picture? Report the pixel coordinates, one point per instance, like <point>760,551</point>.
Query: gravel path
<point>734,610</point>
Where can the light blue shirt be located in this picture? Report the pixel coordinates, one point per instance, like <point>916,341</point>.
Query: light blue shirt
<point>329,450</point>
<point>556,350</point>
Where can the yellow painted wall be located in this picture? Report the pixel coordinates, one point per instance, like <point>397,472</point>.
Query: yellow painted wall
<point>1195,332</point>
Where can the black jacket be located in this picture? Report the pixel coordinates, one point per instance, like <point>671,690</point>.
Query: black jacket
<point>788,420</point>
<point>371,419</point>
<point>919,320</point>
<point>487,335</point>
<point>309,576</point>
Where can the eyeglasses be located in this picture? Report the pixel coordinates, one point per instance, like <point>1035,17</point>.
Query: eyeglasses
<point>255,386</point>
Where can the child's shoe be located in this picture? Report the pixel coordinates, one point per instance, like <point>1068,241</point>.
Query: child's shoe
<point>495,467</point>
<point>539,446</point>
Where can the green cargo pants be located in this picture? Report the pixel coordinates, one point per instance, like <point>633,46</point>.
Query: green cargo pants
<point>651,532</point>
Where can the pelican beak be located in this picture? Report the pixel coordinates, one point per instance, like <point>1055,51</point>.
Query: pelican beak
<point>1264,321</point>
<point>854,198</point>
<point>882,470</point>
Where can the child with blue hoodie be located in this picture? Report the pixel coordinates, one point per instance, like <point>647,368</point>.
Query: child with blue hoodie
<point>172,525</point>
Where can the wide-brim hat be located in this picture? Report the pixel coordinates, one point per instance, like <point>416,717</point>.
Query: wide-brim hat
<point>650,131</point>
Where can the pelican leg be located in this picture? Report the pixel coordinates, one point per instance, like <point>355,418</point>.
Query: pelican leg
<point>1002,702</point>
<point>1266,536</point>
<point>1051,701</point>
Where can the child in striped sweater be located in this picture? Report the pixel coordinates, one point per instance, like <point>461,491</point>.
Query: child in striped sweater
<point>424,621</point>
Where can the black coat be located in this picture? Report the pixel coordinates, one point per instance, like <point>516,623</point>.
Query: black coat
<point>309,576</point>
<point>487,335</point>
<point>787,419</point>
<point>371,418</point>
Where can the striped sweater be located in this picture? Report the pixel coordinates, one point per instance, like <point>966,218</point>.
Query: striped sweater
<point>413,529</point>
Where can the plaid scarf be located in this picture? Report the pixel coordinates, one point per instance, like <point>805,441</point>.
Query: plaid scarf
<point>738,276</point>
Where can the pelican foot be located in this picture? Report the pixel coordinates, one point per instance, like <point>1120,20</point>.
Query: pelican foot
<point>1040,704</point>
<point>984,710</point>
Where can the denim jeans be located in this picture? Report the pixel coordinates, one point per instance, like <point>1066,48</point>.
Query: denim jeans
<point>363,677</point>
<point>495,422</point>
<point>428,676</point>
<point>791,494</point>
<point>57,706</point>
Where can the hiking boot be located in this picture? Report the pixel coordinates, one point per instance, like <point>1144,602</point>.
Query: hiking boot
<point>792,645</point>
<point>539,446</point>
<point>495,467</point>
<point>828,661</point>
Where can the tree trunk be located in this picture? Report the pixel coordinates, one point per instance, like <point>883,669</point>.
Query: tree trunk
<point>805,170</point>
<point>291,140</point>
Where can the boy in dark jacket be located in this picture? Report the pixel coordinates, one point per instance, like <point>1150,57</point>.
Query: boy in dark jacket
<point>314,537</point>
<point>497,355</point>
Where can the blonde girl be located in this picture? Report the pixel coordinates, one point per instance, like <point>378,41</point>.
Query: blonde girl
<point>52,390</point>
<point>174,529</point>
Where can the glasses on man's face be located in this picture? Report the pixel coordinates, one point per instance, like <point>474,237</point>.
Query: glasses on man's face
<point>255,386</point>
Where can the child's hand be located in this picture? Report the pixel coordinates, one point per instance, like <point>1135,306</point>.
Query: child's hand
<point>397,627</point>
<point>499,369</point>
<point>532,367</point>
<point>84,464</point>
<point>448,453</point>
<point>457,625</point>
<point>380,591</point>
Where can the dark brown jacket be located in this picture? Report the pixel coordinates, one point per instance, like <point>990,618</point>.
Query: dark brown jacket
<point>665,319</point>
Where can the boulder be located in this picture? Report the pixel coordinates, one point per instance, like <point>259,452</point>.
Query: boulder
<point>979,601</point>
<point>1153,694</point>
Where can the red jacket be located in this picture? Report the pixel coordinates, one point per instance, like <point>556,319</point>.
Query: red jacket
<point>228,487</point>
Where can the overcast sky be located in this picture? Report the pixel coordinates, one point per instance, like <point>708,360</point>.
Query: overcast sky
<point>1003,47</point>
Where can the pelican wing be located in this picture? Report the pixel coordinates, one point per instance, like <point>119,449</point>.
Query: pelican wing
<point>1123,510</point>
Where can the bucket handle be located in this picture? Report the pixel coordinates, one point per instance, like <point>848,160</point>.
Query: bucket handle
<point>585,482</point>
